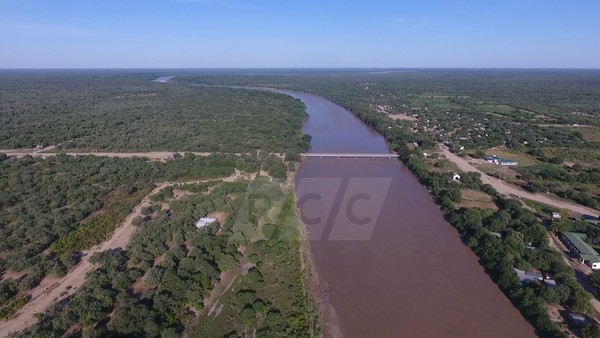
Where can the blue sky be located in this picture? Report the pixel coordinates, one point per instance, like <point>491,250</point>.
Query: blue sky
<point>305,33</point>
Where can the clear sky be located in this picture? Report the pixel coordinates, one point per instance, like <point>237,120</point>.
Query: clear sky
<point>299,33</point>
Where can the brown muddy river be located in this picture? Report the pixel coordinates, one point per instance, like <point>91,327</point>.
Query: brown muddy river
<point>389,264</point>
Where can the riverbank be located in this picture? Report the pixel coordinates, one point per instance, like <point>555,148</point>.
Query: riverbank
<point>378,282</point>
<point>317,287</point>
<point>498,260</point>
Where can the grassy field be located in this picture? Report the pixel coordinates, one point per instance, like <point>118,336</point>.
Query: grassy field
<point>523,158</point>
<point>476,199</point>
<point>587,157</point>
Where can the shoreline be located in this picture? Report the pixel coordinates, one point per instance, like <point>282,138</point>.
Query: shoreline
<point>315,286</point>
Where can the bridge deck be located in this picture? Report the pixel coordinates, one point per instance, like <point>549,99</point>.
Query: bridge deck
<point>347,155</point>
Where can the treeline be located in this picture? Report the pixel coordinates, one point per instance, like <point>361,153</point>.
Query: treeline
<point>558,93</point>
<point>108,111</point>
<point>558,179</point>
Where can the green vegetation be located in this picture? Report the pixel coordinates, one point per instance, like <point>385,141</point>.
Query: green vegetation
<point>6,311</point>
<point>98,228</point>
<point>481,110</point>
<point>536,114</point>
<point>71,203</point>
<point>165,281</point>
<point>162,284</point>
<point>127,112</point>
<point>245,276</point>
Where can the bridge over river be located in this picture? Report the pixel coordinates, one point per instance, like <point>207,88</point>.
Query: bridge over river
<point>348,155</point>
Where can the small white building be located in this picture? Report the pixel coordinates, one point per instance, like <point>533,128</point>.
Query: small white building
<point>501,161</point>
<point>555,216</point>
<point>456,177</point>
<point>204,221</point>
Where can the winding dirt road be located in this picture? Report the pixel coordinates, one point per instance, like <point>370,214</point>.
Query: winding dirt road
<point>43,296</point>
<point>506,189</point>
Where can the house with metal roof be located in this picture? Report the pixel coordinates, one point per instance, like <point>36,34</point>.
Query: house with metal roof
<point>578,247</point>
<point>591,219</point>
<point>204,221</point>
<point>501,161</point>
<point>529,277</point>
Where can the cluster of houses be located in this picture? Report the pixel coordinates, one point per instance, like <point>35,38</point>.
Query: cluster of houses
<point>501,161</point>
<point>538,278</point>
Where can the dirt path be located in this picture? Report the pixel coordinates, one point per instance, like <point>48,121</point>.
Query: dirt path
<point>152,155</point>
<point>43,296</point>
<point>506,189</point>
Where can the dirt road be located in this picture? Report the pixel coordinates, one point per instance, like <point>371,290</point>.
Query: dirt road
<point>43,296</point>
<point>506,189</point>
<point>151,155</point>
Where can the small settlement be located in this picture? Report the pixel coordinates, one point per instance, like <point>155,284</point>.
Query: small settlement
<point>580,249</point>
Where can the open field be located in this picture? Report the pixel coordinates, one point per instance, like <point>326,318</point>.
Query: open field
<point>505,189</point>
<point>476,199</point>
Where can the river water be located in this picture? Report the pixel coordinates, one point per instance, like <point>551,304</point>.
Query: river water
<point>388,263</point>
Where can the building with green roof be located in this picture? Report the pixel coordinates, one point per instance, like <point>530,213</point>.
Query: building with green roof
<point>580,248</point>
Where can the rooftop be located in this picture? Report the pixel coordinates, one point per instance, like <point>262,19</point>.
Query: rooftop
<point>500,159</point>
<point>204,221</point>
<point>577,240</point>
<point>525,277</point>
<point>590,258</point>
<point>591,219</point>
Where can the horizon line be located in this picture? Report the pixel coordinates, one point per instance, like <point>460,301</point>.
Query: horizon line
<point>299,68</point>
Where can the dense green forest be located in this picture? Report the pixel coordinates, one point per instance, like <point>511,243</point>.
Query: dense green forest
<point>169,279</point>
<point>172,276</point>
<point>556,93</point>
<point>128,112</point>
<point>52,208</point>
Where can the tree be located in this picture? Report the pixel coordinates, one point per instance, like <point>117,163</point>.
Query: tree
<point>248,315</point>
<point>480,154</point>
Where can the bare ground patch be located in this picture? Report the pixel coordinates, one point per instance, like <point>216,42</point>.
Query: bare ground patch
<point>556,315</point>
<point>159,260</point>
<point>179,194</point>
<point>220,216</point>
<point>139,286</point>
<point>393,115</point>
<point>170,244</point>
<point>226,281</point>
<point>476,199</point>
<point>14,275</point>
